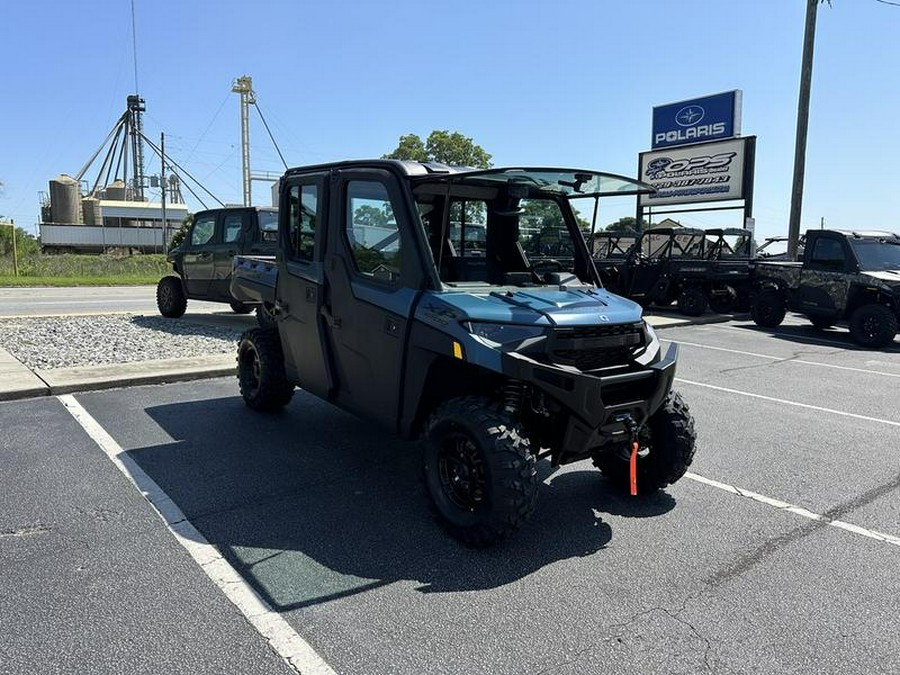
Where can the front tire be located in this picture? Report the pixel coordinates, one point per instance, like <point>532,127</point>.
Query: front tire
<point>479,471</point>
<point>670,438</point>
<point>767,309</point>
<point>261,375</point>
<point>170,298</point>
<point>873,325</point>
<point>692,301</point>
<point>265,316</point>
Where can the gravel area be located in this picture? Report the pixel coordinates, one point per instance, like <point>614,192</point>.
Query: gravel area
<point>63,342</point>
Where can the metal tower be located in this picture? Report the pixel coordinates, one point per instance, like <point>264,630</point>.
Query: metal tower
<point>136,131</point>
<point>244,87</point>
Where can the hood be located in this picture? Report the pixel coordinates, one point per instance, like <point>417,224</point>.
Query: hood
<point>890,277</point>
<point>536,306</point>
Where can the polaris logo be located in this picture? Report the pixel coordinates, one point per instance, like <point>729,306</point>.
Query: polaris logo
<point>689,115</point>
<point>694,133</point>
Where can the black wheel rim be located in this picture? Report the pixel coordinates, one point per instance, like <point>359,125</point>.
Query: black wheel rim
<point>250,370</point>
<point>871,327</point>
<point>462,472</point>
<point>166,295</point>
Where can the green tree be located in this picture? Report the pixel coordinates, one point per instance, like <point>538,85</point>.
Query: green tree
<point>442,146</point>
<point>626,224</point>
<point>410,147</point>
<point>371,216</point>
<point>179,236</point>
<point>26,244</point>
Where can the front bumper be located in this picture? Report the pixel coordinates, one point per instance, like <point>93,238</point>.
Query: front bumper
<point>597,406</point>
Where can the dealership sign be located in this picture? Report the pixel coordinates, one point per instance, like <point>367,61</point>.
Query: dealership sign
<point>711,118</point>
<point>703,172</point>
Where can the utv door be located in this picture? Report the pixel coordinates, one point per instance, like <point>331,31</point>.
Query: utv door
<point>300,288</point>
<point>197,266</point>
<point>825,278</point>
<point>234,226</point>
<point>372,273</point>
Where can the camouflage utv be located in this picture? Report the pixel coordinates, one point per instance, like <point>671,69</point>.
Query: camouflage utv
<point>850,277</point>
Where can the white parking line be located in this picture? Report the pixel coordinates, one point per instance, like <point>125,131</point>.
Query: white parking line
<point>784,359</point>
<point>805,338</point>
<point>296,652</point>
<point>786,402</point>
<point>796,510</point>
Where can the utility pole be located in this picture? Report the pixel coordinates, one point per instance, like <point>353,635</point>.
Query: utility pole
<point>809,39</point>
<point>162,184</point>
<point>244,86</point>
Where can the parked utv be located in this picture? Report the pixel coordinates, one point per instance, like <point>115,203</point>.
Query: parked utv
<point>610,250</point>
<point>843,276</point>
<point>461,307</point>
<point>203,262</point>
<point>671,264</point>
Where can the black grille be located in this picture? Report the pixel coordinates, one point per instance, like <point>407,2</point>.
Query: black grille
<point>594,347</point>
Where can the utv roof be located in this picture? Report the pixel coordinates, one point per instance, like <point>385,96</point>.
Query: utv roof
<point>568,183</point>
<point>719,231</point>
<point>866,234</point>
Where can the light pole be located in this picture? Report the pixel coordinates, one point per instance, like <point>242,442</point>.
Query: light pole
<point>809,39</point>
<point>12,225</point>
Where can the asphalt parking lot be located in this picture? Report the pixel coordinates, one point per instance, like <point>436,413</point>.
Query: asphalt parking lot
<point>778,553</point>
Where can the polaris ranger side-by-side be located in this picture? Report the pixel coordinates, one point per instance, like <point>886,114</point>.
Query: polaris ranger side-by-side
<point>843,276</point>
<point>693,267</point>
<point>461,307</point>
<point>203,262</point>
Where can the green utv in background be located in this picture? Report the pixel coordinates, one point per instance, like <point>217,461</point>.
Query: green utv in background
<point>462,308</point>
<point>850,277</point>
<point>203,262</point>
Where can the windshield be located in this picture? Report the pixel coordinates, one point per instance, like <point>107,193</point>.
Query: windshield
<point>877,254</point>
<point>503,241</point>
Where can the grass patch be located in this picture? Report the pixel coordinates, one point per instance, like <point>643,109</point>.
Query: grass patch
<point>84,270</point>
<point>64,282</point>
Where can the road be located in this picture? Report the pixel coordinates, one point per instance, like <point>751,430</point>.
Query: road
<point>88,300</point>
<point>777,553</point>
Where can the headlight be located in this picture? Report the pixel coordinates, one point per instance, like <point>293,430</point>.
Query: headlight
<point>503,333</point>
<point>650,353</point>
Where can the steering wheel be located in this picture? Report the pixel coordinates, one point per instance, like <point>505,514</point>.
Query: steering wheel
<point>542,268</point>
<point>554,265</point>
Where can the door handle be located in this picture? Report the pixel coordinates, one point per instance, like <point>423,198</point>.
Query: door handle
<point>332,321</point>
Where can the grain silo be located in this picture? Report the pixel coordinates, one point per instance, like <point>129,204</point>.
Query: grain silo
<point>65,200</point>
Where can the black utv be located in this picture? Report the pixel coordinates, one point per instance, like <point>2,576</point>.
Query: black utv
<point>679,265</point>
<point>462,307</point>
<point>847,277</point>
<point>203,262</point>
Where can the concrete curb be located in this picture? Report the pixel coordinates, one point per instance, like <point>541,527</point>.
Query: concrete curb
<point>17,381</point>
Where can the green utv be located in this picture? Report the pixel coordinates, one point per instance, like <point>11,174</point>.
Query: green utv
<point>850,277</point>
<point>461,307</point>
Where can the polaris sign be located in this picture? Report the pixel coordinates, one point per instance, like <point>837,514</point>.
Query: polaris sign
<point>711,118</point>
<point>703,172</point>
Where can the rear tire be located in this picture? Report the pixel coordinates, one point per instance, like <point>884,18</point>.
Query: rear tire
<point>240,307</point>
<point>873,325</point>
<point>170,298</point>
<point>479,471</point>
<point>767,309</point>
<point>260,374</point>
<point>669,435</point>
<point>692,301</point>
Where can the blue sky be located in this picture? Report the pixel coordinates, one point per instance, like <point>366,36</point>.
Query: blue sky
<point>565,83</point>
